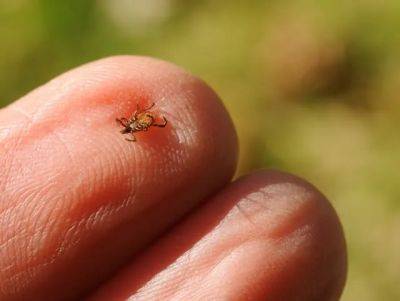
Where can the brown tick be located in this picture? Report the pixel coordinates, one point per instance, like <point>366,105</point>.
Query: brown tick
<point>141,120</point>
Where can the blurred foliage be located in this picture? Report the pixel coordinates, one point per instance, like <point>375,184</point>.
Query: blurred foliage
<point>312,87</point>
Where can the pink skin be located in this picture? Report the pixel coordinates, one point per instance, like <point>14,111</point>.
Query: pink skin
<point>79,202</point>
<point>267,236</point>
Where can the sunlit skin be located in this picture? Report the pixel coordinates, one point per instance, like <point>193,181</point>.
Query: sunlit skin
<point>83,213</point>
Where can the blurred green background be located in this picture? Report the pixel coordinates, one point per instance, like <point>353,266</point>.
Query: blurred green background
<point>313,88</point>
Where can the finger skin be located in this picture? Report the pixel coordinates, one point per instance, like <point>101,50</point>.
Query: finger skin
<point>78,200</point>
<point>268,236</point>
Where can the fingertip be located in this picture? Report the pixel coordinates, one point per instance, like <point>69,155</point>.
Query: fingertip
<point>310,249</point>
<point>267,236</point>
<point>65,156</point>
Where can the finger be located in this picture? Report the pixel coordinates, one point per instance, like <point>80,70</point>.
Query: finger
<point>268,236</point>
<point>77,198</point>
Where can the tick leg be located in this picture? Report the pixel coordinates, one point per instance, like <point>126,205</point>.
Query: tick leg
<point>122,121</point>
<point>136,111</point>
<point>133,139</point>
<point>161,125</point>
<point>152,105</point>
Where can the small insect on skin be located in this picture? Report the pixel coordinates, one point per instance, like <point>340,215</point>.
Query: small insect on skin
<point>141,120</point>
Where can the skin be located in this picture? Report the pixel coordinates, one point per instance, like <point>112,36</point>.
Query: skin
<point>86,214</point>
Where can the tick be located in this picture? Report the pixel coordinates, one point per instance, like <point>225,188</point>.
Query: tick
<point>141,120</point>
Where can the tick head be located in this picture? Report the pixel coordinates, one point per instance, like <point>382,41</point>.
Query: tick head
<point>126,129</point>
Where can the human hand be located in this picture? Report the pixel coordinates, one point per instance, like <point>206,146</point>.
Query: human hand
<point>83,212</point>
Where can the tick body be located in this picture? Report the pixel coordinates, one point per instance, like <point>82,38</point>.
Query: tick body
<point>141,120</point>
